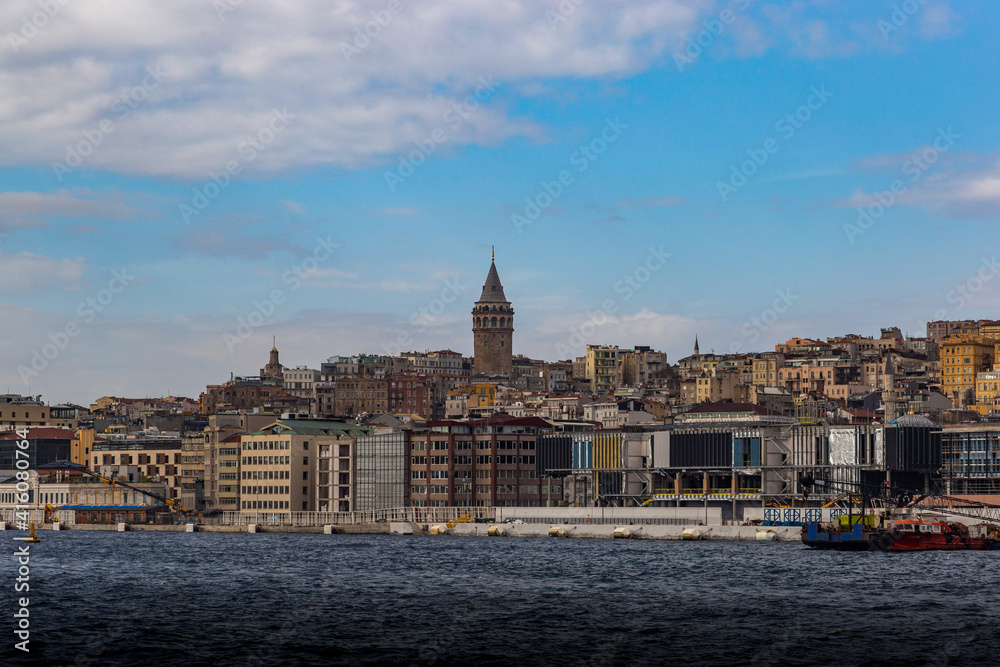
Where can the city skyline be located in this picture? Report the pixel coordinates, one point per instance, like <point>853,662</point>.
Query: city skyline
<point>837,163</point>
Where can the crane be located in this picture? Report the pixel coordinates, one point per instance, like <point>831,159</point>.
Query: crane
<point>113,482</point>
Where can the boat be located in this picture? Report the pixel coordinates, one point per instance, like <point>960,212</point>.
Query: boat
<point>909,534</point>
<point>853,535</point>
<point>937,535</point>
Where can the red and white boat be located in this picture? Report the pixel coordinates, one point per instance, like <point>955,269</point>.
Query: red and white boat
<point>936,535</point>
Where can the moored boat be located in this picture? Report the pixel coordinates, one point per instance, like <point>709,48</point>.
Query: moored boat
<point>936,535</point>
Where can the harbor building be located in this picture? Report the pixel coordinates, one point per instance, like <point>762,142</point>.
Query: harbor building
<point>279,464</point>
<point>971,461</point>
<point>381,469</point>
<point>141,460</point>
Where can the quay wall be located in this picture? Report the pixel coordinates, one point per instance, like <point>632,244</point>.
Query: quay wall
<point>595,531</point>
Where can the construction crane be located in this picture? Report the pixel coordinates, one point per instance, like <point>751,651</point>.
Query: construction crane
<point>113,482</point>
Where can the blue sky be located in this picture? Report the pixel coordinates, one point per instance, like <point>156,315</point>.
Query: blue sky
<point>114,123</point>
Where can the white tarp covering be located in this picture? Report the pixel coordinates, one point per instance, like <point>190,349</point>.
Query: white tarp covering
<point>843,447</point>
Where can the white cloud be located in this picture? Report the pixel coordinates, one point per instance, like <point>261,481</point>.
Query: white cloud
<point>955,186</point>
<point>35,209</point>
<point>221,79</point>
<point>27,273</point>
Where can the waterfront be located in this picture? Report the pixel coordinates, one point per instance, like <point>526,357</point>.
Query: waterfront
<point>237,599</point>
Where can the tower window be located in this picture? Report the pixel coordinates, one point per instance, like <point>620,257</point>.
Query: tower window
<point>493,322</point>
<point>501,343</point>
<point>501,321</point>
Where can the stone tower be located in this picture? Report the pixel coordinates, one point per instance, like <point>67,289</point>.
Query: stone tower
<point>493,328</point>
<point>273,368</point>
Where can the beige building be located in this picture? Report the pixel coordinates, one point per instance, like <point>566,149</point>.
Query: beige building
<point>158,460</point>
<point>722,386</point>
<point>279,463</point>
<point>640,366</point>
<point>335,474</point>
<point>57,490</point>
<point>24,412</point>
<point>300,383</point>
<point>765,369</point>
<point>603,367</point>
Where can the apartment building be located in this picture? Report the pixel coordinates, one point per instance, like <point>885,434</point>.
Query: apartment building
<point>485,463</point>
<point>411,394</point>
<point>962,359</point>
<point>602,367</point>
<point>354,395</point>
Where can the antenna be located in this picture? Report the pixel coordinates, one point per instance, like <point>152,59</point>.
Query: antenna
<point>493,253</point>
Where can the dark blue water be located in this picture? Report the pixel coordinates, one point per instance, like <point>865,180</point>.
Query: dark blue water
<point>237,599</point>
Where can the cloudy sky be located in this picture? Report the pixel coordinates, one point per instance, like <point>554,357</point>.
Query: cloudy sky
<point>181,181</point>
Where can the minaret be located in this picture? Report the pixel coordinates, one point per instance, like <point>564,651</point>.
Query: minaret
<point>493,327</point>
<point>889,389</point>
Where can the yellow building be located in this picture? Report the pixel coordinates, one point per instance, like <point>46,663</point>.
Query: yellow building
<point>987,392</point>
<point>81,446</point>
<point>962,358</point>
<point>990,330</point>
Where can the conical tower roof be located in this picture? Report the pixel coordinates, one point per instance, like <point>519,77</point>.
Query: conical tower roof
<point>493,289</point>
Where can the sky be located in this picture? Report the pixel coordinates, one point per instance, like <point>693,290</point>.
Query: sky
<point>182,183</point>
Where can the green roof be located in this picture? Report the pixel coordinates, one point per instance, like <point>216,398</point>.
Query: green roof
<point>316,427</point>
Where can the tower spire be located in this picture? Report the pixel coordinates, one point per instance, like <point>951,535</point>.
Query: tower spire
<point>696,344</point>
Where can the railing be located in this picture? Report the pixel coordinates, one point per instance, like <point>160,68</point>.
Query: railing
<point>37,517</point>
<point>407,514</point>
